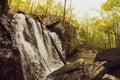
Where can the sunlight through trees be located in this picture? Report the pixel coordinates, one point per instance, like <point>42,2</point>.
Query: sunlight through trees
<point>98,32</point>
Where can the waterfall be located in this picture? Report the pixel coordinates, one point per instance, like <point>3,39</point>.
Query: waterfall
<point>33,40</point>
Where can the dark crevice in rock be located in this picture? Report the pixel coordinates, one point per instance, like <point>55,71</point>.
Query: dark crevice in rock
<point>5,38</point>
<point>4,33</point>
<point>52,25</point>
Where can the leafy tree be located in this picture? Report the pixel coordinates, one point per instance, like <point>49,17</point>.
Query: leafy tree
<point>112,7</point>
<point>64,13</point>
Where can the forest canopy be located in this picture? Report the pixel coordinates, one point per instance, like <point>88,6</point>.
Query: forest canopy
<point>98,32</point>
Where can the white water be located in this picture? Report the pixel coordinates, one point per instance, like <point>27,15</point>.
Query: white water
<point>38,55</point>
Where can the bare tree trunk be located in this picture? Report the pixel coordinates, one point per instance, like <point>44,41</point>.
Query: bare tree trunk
<point>47,8</point>
<point>104,42</point>
<point>93,36</point>
<point>109,40</point>
<point>18,5</point>
<point>70,8</point>
<point>64,13</point>
<point>31,9</point>
<point>87,36</point>
<point>9,2</point>
<point>36,10</point>
<point>56,12</point>
<point>117,32</point>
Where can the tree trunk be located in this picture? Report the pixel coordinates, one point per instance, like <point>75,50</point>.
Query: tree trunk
<point>64,13</point>
<point>31,9</point>
<point>70,9</point>
<point>109,40</point>
<point>47,8</point>
<point>87,35</point>
<point>9,2</point>
<point>117,42</point>
<point>117,35</point>
<point>18,5</point>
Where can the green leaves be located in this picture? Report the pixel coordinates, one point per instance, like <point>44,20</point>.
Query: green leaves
<point>95,32</point>
<point>111,5</point>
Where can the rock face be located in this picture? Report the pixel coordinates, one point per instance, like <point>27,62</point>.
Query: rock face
<point>105,67</point>
<point>26,48</point>
<point>79,71</point>
<point>112,56</point>
<point>66,31</point>
<point>109,55</point>
<point>10,62</point>
<point>3,6</point>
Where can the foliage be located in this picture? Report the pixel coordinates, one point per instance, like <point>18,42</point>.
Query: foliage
<point>102,31</point>
<point>98,32</point>
<point>41,7</point>
<point>111,5</point>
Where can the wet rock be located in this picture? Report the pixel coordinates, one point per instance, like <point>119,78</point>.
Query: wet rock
<point>109,55</point>
<point>109,77</point>
<point>26,48</point>
<point>112,56</point>
<point>66,31</point>
<point>10,61</point>
<point>79,71</point>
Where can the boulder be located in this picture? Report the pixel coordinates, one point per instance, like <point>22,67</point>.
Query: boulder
<point>109,55</point>
<point>79,71</point>
<point>112,56</point>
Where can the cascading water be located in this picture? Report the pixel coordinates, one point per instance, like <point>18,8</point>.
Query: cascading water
<point>38,55</point>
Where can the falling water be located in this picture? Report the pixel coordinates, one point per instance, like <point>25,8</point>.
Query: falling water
<point>33,40</point>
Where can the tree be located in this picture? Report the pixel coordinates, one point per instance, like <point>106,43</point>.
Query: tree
<point>31,9</point>
<point>70,8</point>
<point>58,9</point>
<point>18,5</point>
<point>64,13</point>
<point>9,2</point>
<point>112,7</point>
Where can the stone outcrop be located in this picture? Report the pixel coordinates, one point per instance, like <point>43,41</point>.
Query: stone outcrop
<point>79,71</point>
<point>66,31</point>
<point>10,61</point>
<point>112,56</point>
<point>105,67</point>
<point>29,51</point>
<point>26,48</point>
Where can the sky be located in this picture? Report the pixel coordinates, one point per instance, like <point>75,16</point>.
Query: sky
<point>83,7</point>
